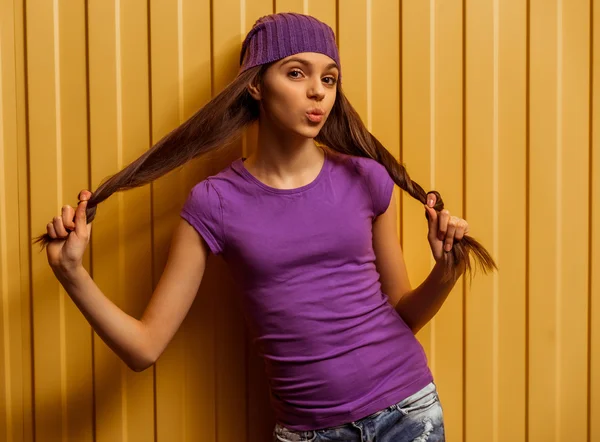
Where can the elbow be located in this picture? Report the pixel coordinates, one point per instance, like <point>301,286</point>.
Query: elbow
<point>136,368</point>
<point>140,364</point>
<point>415,328</point>
<point>413,325</point>
<point>145,358</point>
<point>145,354</point>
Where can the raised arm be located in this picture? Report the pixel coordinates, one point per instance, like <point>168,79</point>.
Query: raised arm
<point>419,305</point>
<point>139,343</point>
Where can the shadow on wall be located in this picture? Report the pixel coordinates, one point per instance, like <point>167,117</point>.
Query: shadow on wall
<point>210,367</point>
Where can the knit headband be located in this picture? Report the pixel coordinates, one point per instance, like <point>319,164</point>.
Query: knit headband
<point>277,36</point>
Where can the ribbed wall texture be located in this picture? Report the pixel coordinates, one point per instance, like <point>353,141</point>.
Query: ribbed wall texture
<point>494,103</point>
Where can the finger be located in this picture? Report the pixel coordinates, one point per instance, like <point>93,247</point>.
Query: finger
<point>443,219</point>
<point>81,220</point>
<point>51,231</point>
<point>432,219</point>
<point>431,199</point>
<point>67,217</point>
<point>450,233</point>
<point>461,230</point>
<point>61,232</point>
<point>84,195</point>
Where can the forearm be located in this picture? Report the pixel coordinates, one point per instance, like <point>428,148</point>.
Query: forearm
<point>124,334</point>
<point>420,305</point>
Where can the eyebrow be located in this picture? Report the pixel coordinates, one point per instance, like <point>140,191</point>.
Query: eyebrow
<point>307,63</point>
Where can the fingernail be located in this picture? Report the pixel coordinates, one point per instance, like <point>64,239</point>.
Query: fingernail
<point>448,247</point>
<point>430,202</point>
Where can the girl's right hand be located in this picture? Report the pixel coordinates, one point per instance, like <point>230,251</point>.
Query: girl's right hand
<point>70,237</point>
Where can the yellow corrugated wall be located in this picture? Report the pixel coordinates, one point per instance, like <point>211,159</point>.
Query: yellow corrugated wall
<point>494,103</point>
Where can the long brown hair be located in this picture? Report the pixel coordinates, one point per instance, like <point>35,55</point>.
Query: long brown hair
<point>222,120</point>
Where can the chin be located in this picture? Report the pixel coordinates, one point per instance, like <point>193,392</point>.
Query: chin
<point>311,133</point>
<point>308,132</point>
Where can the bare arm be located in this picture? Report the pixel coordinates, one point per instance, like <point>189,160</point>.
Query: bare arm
<point>139,343</point>
<point>124,334</point>
<point>389,258</point>
<point>176,289</point>
<point>415,306</point>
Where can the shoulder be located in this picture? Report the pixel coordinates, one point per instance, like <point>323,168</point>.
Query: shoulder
<point>207,188</point>
<point>216,183</point>
<point>368,166</point>
<point>378,182</point>
<point>204,209</point>
<point>204,202</point>
<point>353,164</point>
<point>367,169</point>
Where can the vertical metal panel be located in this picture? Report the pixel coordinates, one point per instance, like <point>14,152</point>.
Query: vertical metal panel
<point>118,75</point>
<point>180,59</point>
<point>299,6</point>
<point>57,123</point>
<point>480,176</point>
<point>447,331</point>
<point>417,139</point>
<point>354,33</point>
<point>71,81</point>
<point>164,55</point>
<point>510,388</point>
<point>15,350</point>
<point>594,230</point>
<point>558,258</point>
<point>572,213</point>
<point>489,102</point>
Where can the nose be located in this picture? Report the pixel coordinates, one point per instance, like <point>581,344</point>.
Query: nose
<point>316,89</point>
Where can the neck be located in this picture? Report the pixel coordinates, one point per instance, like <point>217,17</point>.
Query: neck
<point>281,156</point>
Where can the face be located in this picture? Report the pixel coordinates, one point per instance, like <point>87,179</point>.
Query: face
<point>297,93</point>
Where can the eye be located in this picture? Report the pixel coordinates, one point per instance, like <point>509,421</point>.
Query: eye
<point>295,71</point>
<point>332,80</point>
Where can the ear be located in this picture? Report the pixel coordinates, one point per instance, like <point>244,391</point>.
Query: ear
<point>254,91</point>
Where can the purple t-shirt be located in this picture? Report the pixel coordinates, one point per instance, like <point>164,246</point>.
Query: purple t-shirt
<point>334,349</point>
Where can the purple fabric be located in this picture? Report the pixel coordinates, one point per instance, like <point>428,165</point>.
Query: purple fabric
<point>277,36</point>
<point>334,349</point>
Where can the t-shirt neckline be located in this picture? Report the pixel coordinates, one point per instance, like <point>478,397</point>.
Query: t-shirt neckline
<point>318,178</point>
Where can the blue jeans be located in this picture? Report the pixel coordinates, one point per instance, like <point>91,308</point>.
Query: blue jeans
<point>418,418</point>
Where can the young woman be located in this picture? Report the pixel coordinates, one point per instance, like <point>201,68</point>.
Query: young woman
<point>308,225</point>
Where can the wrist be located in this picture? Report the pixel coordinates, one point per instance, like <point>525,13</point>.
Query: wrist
<point>442,262</point>
<point>439,269</point>
<point>439,273</point>
<point>71,275</point>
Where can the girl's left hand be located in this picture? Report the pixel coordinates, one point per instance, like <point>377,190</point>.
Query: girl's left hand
<point>444,229</point>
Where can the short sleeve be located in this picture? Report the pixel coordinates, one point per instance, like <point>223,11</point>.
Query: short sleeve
<point>379,183</point>
<point>204,211</point>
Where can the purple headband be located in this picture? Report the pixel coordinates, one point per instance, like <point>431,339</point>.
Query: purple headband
<point>277,36</point>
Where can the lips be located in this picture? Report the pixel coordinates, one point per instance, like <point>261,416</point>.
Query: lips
<point>315,115</point>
